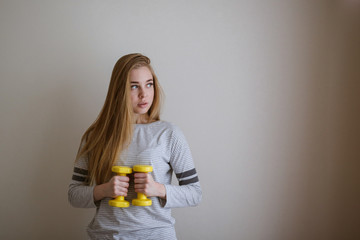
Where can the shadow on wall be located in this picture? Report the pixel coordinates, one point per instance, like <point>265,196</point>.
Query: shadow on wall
<point>344,118</point>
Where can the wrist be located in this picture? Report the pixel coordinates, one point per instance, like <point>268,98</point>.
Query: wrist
<point>162,191</point>
<point>98,193</point>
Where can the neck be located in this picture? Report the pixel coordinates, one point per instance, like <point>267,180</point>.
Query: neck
<point>141,119</point>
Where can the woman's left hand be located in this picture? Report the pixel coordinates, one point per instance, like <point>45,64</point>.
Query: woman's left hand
<point>144,183</point>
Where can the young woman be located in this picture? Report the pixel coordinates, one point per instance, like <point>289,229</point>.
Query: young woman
<point>128,132</point>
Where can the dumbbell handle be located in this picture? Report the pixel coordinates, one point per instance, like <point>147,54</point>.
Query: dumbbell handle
<point>141,199</point>
<point>144,169</point>
<point>118,198</point>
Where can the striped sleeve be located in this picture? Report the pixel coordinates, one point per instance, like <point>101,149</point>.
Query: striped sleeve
<point>80,175</point>
<point>80,194</point>
<point>187,177</point>
<point>188,193</point>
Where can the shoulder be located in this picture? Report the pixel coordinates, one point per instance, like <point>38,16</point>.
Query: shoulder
<point>173,133</point>
<point>161,130</point>
<point>171,128</point>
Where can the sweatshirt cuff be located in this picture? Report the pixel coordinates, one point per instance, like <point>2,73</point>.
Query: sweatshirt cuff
<point>81,196</point>
<point>170,201</point>
<point>90,196</point>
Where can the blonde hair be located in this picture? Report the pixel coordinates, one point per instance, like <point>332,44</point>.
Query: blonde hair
<point>112,131</point>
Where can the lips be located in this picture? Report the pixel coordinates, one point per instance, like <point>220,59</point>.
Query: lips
<point>142,104</point>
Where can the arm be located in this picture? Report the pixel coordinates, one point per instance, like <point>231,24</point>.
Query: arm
<point>82,195</point>
<point>188,193</point>
<point>117,186</point>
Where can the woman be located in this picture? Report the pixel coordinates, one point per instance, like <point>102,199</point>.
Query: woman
<point>128,132</point>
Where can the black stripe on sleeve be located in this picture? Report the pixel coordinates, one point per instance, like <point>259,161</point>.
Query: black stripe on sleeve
<point>80,171</point>
<point>186,173</point>
<point>78,178</point>
<point>189,181</point>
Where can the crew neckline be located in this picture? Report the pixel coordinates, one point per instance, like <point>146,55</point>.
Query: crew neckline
<point>147,124</point>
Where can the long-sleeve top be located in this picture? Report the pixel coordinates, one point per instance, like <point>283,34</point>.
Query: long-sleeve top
<point>163,146</point>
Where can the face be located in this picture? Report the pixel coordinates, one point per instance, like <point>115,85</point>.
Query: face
<point>142,90</point>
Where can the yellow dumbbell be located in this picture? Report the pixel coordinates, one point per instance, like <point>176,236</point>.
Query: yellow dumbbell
<point>141,199</point>
<point>119,201</point>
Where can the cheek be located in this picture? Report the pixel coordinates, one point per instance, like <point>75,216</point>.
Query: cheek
<point>133,98</point>
<point>152,93</point>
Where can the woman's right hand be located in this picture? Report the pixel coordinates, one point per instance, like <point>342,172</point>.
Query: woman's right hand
<point>117,186</point>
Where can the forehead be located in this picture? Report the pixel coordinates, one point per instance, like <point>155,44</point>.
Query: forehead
<point>141,74</point>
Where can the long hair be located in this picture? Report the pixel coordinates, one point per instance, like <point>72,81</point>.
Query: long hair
<point>111,133</point>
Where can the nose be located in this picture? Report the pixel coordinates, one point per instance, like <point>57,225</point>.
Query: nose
<point>142,93</point>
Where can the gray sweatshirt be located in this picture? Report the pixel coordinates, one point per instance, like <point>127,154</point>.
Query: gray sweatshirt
<point>163,146</point>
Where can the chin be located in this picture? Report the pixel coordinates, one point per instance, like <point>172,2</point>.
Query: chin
<point>141,112</point>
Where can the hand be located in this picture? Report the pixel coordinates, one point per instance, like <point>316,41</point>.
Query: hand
<point>144,183</point>
<point>117,186</point>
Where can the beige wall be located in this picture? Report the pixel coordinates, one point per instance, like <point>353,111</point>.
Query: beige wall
<point>266,92</point>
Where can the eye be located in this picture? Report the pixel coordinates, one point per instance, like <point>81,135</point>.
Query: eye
<point>134,86</point>
<point>150,85</point>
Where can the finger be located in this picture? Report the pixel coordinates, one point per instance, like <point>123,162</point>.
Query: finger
<point>120,191</point>
<point>143,189</point>
<point>117,185</point>
<point>141,175</point>
<point>123,184</point>
<point>140,187</point>
<point>122,178</point>
<point>118,182</point>
<point>117,191</point>
<point>141,180</point>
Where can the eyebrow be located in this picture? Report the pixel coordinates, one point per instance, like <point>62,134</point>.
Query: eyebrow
<point>149,80</point>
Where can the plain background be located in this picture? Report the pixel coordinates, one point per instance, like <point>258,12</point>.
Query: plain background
<point>266,92</point>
